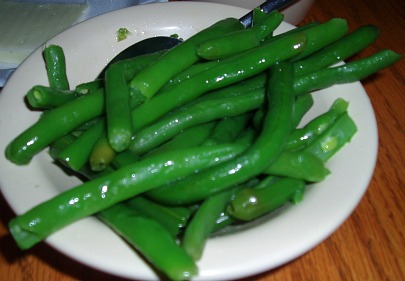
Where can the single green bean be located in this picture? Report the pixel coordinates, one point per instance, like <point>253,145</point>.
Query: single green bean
<point>152,240</point>
<point>322,35</point>
<point>77,154</point>
<point>118,110</point>
<point>43,97</point>
<point>190,137</point>
<point>249,203</point>
<point>102,154</point>
<point>54,124</point>
<point>227,129</point>
<point>300,165</point>
<point>203,223</point>
<point>55,64</point>
<point>89,87</point>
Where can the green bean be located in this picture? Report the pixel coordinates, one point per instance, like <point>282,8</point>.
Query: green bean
<point>42,97</point>
<point>56,67</point>
<point>124,158</point>
<point>323,35</point>
<point>223,46</point>
<point>300,165</point>
<point>190,137</point>
<point>118,110</point>
<point>205,111</point>
<point>102,154</point>
<point>89,87</point>
<point>149,81</point>
<point>103,192</point>
<point>76,155</point>
<point>228,71</point>
<point>303,104</point>
<point>203,222</point>
<point>152,240</point>
<point>334,138</point>
<point>53,125</point>
<point>174,219</point>
<point>339,50</point>
<point>60,144</point>
<point>249,203</point>
<point>261,154</point>
<point>301,137</point>
<point>350,72</point>
<point>227,129</point>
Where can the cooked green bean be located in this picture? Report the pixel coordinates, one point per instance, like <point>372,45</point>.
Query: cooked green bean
<point>56,67</point>
<point>152,240</point>
<point>250,203</point>
<point>42,97</point>
<point>203,223</point>
<point>54,124</point>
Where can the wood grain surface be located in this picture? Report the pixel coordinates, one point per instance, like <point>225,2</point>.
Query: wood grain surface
<point>370,245</point>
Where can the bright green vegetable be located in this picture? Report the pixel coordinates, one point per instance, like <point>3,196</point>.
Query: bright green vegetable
<point>174,219</point>
<point>224,46</point>
<point>251,203</point>
<point>102,154</point>
<point>337,135</point>
<point>76,155</point>
<point>203,223</point>
<point>56,67</point>
<point>54,124</point>
<point>152,240</point>
<point>228,71</point>
<point>350,72</point>
<point>300,137</point>
<point>206,111</point>
<point>118,108</point>
<point>149,81</point>
<point>261,154</point>
<point>42,97</point>
<point>105,191</point>
<point>338,51</point>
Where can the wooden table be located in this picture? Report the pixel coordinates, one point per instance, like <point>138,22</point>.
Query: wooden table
<point>370,245</point>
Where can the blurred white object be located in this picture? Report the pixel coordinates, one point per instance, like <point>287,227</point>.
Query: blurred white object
<point>294,14</point>
<point>25,25</point>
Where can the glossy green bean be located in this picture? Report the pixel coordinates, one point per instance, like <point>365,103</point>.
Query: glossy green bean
<point>152,240</point>
<point>55,64</point>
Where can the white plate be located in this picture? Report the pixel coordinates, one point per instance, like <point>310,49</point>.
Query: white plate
<point>88,47</point>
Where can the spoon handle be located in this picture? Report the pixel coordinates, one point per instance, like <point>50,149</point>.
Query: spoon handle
<point>266,7</point>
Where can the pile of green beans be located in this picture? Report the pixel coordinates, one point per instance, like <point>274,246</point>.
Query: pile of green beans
<point>178,144</point>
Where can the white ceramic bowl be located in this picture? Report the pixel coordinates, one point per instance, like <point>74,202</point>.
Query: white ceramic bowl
<point>286,236</point>
<point>294,14</point>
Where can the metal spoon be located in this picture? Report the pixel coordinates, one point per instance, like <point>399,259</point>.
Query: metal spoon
<point>159,43</point>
